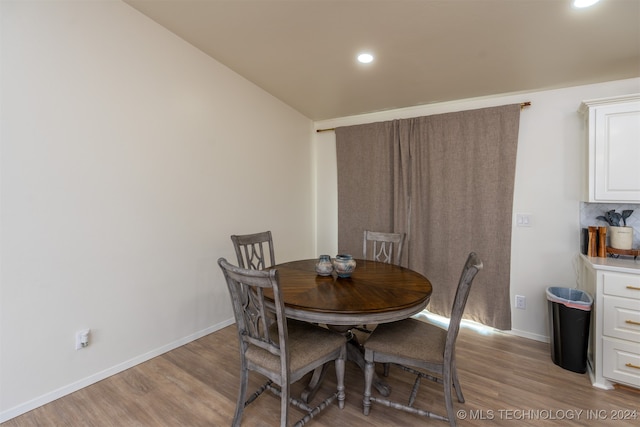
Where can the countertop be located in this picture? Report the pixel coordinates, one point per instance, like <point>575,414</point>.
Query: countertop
<point>622,265</point>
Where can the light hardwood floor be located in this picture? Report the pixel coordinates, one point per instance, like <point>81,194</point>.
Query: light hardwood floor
<point>506,380</point>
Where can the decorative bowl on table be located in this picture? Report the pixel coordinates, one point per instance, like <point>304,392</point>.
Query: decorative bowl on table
<point>324,267</point>
<point>344,264</point>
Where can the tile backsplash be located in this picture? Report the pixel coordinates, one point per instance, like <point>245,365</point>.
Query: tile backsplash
<point>589,212</point>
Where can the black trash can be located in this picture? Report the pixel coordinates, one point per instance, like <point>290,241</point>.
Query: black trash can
<point>569,319</point>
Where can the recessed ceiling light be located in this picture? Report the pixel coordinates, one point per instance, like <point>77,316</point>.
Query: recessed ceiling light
<point>365,58</point>
<point>584,3</point>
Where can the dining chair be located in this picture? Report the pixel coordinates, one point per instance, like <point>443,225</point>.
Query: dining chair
<point>283,351</point>
<point>417,346</point>
<point>378,246</point>
<point>254,251</point>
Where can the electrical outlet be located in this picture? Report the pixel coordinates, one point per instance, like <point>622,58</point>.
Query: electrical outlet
<point>521,302</point>
<point>82,338</point>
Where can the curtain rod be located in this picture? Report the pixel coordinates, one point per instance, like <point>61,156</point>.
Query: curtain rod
<point>523,105</point>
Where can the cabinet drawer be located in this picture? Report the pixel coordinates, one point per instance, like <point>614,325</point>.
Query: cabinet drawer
<point>622,318</point>
<point>621,361</point>
<point>622,285</point>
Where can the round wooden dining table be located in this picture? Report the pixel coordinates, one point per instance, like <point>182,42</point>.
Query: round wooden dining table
<point>375,293</point>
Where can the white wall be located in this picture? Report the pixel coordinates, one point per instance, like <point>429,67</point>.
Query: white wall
<point>128,158</point>
<point>549,171</point>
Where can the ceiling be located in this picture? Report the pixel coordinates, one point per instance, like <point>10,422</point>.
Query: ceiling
<point>303,52</point>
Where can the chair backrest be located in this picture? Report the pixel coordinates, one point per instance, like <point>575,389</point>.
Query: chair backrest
<point>250,250</point>
<point>471,267</point>
<point>381,247</point>
<point>247,287</point>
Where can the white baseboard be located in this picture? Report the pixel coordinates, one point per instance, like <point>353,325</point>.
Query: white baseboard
<point>99,376</point>
<point>525,334</point>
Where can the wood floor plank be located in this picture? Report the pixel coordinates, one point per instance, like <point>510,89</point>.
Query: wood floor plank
<point>506,381</point>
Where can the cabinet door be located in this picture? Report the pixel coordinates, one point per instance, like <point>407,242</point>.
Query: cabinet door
<point>617,152</point>
<point>622,319</point>
<point>621,361</point>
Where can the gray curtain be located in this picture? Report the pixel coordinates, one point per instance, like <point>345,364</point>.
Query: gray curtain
<point>365,183</point>
<point>445,180</point>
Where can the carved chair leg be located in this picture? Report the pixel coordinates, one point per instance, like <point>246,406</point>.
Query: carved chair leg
<point>339,363</point>
<point>368,381</point>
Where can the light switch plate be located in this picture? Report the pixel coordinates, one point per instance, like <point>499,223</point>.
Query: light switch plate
<point>524,220</point>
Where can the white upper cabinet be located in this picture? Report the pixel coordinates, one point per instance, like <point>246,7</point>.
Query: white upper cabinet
<point>613,128</point>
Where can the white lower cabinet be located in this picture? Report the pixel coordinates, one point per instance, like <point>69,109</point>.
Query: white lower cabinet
<point>614,347</point>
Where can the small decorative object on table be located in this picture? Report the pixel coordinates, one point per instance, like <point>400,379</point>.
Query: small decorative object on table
<point>620,236</point>
<point>324,267</point>
<point>344,264</point>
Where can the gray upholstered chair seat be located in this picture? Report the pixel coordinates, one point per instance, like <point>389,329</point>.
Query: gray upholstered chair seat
<point>408,339</point>
<point>307,343</point>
